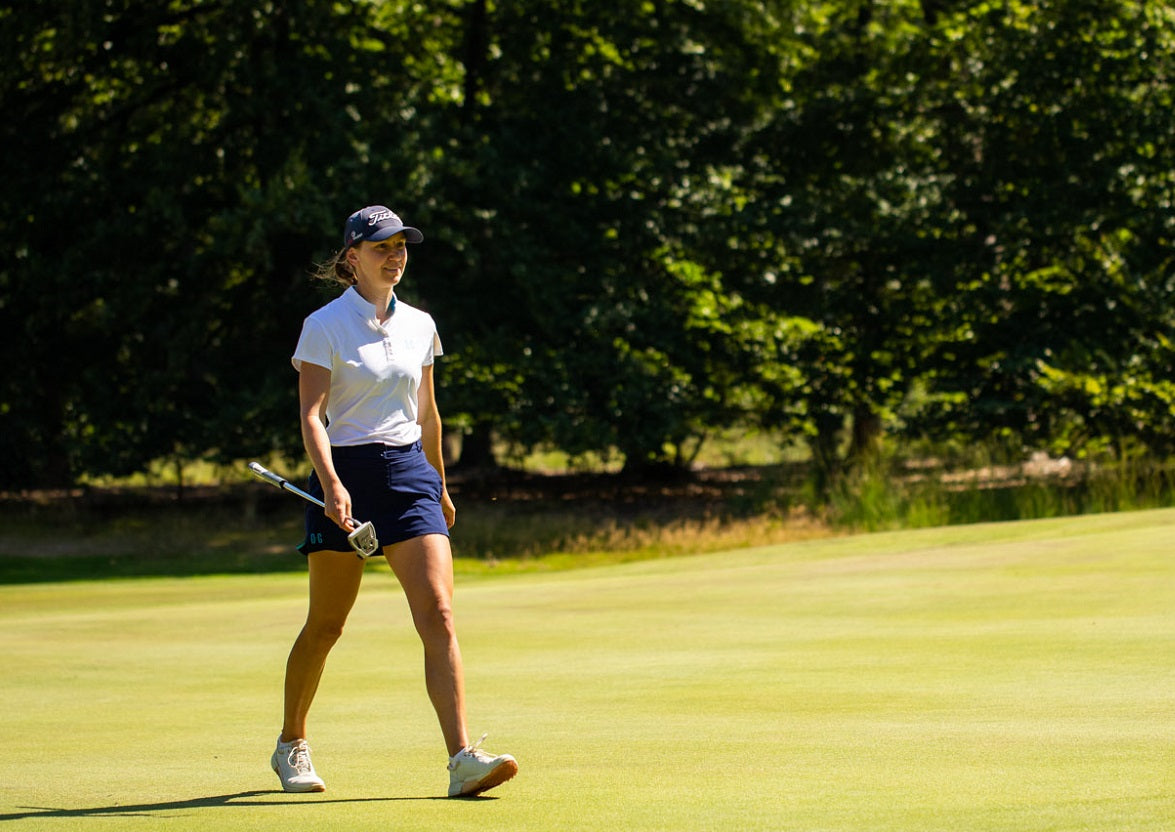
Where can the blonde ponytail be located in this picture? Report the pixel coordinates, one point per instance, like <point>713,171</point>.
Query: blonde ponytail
<point>336,270</point>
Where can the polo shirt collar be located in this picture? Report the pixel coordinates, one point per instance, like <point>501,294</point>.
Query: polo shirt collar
<point>357,302</point>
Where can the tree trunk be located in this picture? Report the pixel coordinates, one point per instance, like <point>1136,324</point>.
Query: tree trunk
<point>477,449</point>
<point>866,432</point>
<point>825,450</point>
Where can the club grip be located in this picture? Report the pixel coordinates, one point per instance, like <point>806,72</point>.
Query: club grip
<point>268,476</point>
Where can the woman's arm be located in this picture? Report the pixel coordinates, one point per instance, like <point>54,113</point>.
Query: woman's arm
<point>430,426</point>
<point>313,395</point>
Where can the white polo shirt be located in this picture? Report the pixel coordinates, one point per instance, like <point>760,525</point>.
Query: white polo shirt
<point>374,369</point>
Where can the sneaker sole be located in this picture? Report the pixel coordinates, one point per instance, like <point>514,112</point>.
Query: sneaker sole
<point>313,787</point>
<point>495,778</point>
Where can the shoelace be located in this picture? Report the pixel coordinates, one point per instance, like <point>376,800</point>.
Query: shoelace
<point>299,758</point>
<point>475,749</point>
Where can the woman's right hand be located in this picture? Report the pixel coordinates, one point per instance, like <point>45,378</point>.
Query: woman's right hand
<point>338,506</point>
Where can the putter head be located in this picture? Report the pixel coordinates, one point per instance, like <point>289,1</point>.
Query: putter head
<point>364,541</point>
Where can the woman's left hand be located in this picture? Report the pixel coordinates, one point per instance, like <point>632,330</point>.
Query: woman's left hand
<point>448,509</point>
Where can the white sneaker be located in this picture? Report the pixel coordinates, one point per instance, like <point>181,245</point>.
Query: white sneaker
<point>291,762</point>
<point>473,771</point>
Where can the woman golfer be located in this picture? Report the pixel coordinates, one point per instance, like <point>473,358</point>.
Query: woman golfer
<point>372,430</point>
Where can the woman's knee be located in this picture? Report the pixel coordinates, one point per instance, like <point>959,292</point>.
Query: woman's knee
<point>436,622</point>
<point>324,631</point>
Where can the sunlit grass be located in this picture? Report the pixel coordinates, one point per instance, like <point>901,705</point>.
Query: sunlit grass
<point>996,678</point>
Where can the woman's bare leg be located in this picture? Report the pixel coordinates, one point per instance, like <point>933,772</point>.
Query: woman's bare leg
<point>334,585</point>
<point>424,567</point>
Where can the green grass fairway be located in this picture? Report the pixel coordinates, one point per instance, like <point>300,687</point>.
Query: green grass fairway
<point>1001,677</point>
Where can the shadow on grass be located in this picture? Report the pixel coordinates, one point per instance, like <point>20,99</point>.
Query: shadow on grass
<point>32,570</point>
<point>239,799</point>
<point>38,548</point>
<point>95,534</point>
<point>147,533</point>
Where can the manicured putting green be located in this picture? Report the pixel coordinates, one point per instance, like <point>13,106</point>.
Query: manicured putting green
<point>1001,677</point>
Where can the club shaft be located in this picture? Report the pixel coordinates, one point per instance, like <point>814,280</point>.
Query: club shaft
<point>293,489</point>
<point>362,538</point>
<point>284,484</point>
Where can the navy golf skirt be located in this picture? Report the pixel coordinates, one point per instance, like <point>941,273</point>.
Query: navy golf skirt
<point>395,488</point>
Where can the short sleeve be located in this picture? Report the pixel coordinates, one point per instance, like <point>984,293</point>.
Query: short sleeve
<point>437,349</point>
<point>313,346</point>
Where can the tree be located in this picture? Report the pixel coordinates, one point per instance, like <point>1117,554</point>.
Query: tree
<point>645,220</point>
<point>173,171</point>
<point>590,161</point>
<point>844,185</point>
<point>1056,132</point>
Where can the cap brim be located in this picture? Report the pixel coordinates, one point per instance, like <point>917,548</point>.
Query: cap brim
<point>411,234</point>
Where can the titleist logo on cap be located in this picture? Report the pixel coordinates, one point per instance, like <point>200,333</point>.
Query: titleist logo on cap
<point>380,216</point>
<point>376,222</point>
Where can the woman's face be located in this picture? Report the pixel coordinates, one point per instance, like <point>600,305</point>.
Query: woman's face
<point>380,264</point>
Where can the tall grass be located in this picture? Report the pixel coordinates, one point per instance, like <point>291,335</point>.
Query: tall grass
<point>250,529</point>
<point>552,540</point>
<point>885,494</point>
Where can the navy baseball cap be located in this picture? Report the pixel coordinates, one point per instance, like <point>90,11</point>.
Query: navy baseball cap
<point>374,223</point>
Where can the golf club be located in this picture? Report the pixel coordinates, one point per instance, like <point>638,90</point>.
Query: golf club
<point>362,540</point>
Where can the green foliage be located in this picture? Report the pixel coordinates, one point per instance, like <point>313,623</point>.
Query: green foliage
<point>1049,139</point>
<point>160,222</point>
<point>885,494</point>
<point>648,222</point>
